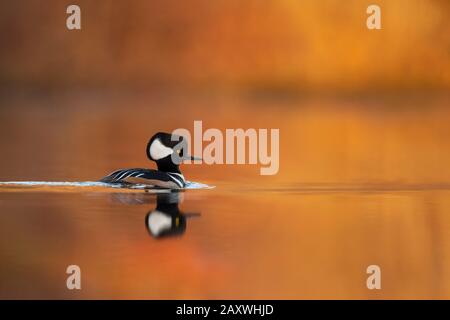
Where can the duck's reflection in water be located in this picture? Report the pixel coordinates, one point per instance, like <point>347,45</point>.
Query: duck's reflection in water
<point>166,220</point>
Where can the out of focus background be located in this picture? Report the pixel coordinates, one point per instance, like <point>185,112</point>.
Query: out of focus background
<point>352,104</point>
<point>364,147</point>
<point>270,47</point>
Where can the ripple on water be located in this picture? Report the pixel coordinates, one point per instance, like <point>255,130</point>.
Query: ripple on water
<point>76,185</point>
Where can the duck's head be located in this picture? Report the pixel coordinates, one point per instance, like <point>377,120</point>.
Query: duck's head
<point>168,151</point>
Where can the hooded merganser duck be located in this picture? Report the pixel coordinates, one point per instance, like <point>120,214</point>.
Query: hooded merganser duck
<point>167,151</point>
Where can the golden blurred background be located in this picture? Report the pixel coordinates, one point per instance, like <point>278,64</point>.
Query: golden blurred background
<point>353,105</point>
<point>251,46</point>
<point>364,149</point>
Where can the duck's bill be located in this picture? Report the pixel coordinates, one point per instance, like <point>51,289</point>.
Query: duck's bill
<point>193,158</point>
<point>178,160</point>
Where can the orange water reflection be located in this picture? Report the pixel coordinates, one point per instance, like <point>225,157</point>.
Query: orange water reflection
<point>361,182</point>
<point>245,245</point>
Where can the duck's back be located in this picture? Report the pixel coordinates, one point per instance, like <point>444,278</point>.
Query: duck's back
<point>150,177</point>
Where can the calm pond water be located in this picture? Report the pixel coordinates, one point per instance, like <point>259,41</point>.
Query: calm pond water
<point>361,182</point>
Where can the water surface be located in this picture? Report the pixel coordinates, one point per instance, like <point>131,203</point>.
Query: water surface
<point>360,183</point>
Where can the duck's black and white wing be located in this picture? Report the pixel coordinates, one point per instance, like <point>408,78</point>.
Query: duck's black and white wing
<point>148,177</point>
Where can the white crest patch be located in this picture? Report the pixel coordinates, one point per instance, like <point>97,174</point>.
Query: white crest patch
<point>158,222</point>
<point>158,150</point>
